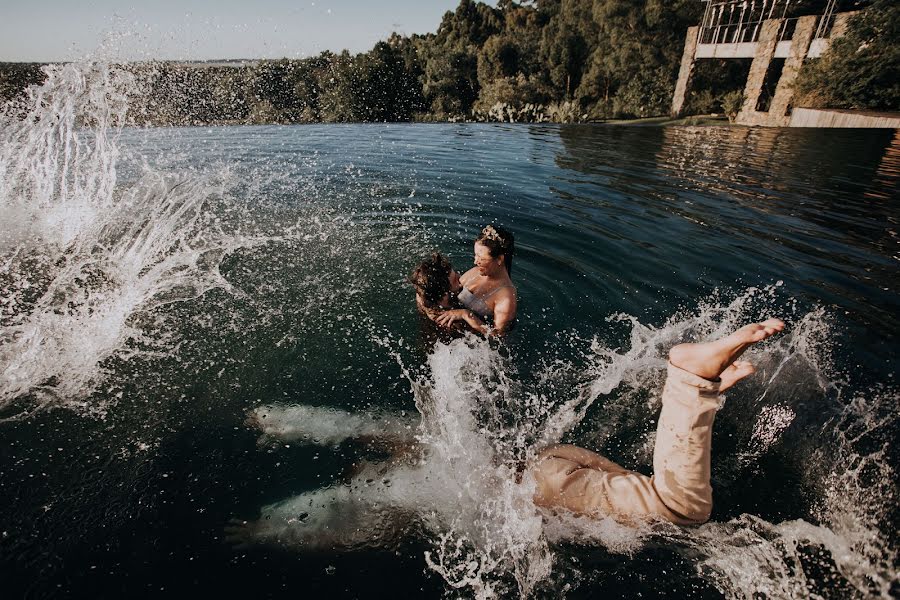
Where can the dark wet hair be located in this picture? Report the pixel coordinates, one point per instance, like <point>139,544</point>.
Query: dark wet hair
<point>499,241</point>
<point>431,278</point>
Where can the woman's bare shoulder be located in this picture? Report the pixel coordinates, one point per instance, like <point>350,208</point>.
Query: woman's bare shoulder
<point>505,294</point>
<point>508,291</point>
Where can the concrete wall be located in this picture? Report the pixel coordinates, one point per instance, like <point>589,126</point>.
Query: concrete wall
<point>683,85</point>
<point>811,117</point>
<point>777,115</point>
<point>784,93</point>
<point>765,50</point>
<point>794,52</point>
<point>744,50</point>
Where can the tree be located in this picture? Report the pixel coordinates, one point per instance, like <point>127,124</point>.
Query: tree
<point>15,77</point>
<point>383,89</point>
<point>274,84</point>
<point>861,69</point>
<point>334,79</point>
<point>633,67</point>
<point>499,58</point>
<point>568,39</point>
<point>451,59</point>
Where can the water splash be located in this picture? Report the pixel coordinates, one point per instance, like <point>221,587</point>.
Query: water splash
<point>450,480</point>
<point>82,255</point>
<point>59,152</point>
<point>480,421</point>
<point>328,426</point>
<point>499,532</point>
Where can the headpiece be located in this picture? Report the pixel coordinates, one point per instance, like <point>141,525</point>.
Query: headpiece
<point>489,233</point>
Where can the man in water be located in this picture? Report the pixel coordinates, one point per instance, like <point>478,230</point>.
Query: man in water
<point>679,491</point>
<point>437,285</point>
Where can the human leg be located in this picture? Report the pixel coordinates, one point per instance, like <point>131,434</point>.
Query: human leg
<point>581,481</point>
<point>697,374</point>
<point>584,482</point>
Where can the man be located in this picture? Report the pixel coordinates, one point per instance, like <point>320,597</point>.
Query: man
<point>584,482</point>
<point>437,284</point>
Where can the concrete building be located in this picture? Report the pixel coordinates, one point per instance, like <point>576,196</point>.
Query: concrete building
<point>763,31</point>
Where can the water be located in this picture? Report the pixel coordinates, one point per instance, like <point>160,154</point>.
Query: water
<point>214,379</point>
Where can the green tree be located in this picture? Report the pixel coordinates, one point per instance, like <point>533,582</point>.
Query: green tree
<point>861,69</point>
<point>499,58</point>
<point>275,87</point>
<point>568,39</point>
<point>16,77</point>
<point>633,68</point>
<point>383,89</point>
<point>450,81</point>
<point>335,83</point>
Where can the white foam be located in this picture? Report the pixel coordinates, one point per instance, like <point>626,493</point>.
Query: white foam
<point>329,426</point>
<point>81,256</point>
<point>487,537</point>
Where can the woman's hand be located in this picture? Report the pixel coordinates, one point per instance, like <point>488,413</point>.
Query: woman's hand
<point>449,317</point>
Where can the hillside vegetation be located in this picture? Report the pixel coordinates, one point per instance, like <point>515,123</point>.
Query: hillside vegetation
<point>545,60</point>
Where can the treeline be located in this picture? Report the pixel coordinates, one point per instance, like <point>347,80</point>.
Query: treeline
<point>544,60</point>
<point>555,60</point>
<point>862,68</point>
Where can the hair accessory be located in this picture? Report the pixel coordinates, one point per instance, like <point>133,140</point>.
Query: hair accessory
<point>490,233</point>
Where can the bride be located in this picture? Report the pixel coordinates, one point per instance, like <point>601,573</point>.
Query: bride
<point>487,289</point>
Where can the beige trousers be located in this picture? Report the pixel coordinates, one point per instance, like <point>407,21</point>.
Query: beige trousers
<point>584,482</point>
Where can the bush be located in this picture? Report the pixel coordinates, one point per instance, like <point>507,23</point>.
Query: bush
<point>732,103</point>
<point>862,68</point>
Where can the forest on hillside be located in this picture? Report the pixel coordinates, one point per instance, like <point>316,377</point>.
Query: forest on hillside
<point>543,60</point>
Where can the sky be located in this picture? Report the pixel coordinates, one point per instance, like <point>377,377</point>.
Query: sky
<point>63,30</point>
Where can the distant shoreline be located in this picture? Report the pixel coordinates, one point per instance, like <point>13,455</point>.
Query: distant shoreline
<point>714,119</point>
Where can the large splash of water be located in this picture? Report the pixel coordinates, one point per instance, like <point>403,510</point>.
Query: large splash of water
<point>460,478</point>
<point>99,239</point>
<point>81,254</point>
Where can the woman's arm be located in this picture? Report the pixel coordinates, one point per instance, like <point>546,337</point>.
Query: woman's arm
<point>449,317</point>
<point>505,311</point>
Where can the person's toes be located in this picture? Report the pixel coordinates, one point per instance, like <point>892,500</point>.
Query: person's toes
<point>757,332</point>
<point>771,327</point>
<point>734,373</point>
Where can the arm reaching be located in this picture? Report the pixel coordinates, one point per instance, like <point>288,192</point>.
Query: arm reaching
<point>449,317</point>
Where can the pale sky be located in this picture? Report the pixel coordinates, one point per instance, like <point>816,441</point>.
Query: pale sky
<point>59,30</point>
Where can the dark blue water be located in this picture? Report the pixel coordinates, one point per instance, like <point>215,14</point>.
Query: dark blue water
<point>132,463</point>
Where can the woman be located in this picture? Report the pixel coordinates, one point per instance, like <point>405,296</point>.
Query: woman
<point>437,285</point>
<point>487,289</point>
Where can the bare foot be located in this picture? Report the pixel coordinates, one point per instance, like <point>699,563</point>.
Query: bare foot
<point>734,373</point>
<point>712,359</point>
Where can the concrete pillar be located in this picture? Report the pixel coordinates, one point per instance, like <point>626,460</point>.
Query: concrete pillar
<point>682,87</point>
<point>765,50</point>
<point>784,92</point>
<point>840,23</point>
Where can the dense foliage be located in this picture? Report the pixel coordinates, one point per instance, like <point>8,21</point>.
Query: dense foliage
<point>862,68</point>
<point>554,60</point>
